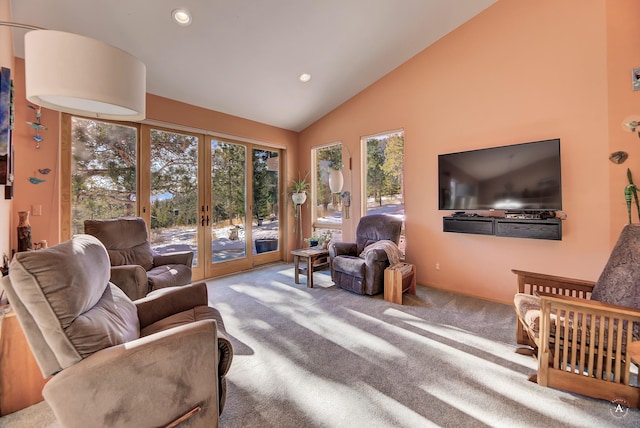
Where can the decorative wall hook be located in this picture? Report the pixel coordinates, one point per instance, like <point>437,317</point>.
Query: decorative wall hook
<point>631,124</point>
<point>37,125</point>
<point>35,179</point>
<point>618,157</point>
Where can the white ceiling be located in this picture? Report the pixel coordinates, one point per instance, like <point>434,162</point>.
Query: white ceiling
<point>243,57</point>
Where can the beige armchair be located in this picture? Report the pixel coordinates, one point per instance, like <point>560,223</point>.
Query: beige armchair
<point>135,267</point>
<point>579,330</point>
<point>115,362</point>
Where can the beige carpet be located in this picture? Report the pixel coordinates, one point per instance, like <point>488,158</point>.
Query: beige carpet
<point>325,357</point>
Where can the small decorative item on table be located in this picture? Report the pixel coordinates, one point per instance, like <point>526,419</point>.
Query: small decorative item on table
<point>24,231</point>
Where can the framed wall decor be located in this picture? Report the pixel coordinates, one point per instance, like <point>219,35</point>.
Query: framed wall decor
<point>6,125</point>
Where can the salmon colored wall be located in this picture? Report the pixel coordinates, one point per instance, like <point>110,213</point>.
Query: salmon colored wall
<point>520,71</point>
<point>623,54</point>
<point>29,159</point>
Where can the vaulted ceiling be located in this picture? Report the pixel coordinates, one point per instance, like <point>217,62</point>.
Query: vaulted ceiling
<point>244,57</point>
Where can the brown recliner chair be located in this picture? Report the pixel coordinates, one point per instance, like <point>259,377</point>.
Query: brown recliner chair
<point>115,362</point>
<point>364,273</point>
<point>135,267</point>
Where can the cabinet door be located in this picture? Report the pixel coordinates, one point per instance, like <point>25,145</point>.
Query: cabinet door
<point>21,381</point>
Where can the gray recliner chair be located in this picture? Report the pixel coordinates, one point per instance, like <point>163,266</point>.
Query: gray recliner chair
<point>115,362</point>
<point>135,267</point>
<point>364,273</point>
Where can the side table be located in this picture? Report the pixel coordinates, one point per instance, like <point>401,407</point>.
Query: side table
<point>21,381</point>
<point>397,280</point>
<point>316,259</point>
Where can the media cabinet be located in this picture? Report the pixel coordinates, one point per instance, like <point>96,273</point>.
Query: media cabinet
<point>509,227</point>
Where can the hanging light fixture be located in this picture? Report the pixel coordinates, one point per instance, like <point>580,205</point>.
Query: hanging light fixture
<point>336,180</point>
<point>78,75</point>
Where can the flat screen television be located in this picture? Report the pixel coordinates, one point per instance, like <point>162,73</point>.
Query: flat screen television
<point>520,177</point>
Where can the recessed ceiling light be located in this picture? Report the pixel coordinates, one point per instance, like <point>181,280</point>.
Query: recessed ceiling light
<point>305,77</point>
<point>181,17</point>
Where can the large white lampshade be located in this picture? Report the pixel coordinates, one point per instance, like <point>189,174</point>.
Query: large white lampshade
<point>79,75</point>
<point>336,180</point>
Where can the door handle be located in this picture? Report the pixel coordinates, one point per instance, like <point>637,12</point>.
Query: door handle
<point>202,221</point>
<point>207,220</point>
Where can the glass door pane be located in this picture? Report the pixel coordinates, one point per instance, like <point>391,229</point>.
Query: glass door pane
<point>228,202</point>
<point>328,207</point>
<point>384,179</point>
<point>174,192</point>
<point>265,224</point>
<point>103,171</point>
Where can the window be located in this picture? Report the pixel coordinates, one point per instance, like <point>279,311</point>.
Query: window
<point>327,214</point>
<point>103,171</point>
<point>384,176</point>
<point>196,192</point>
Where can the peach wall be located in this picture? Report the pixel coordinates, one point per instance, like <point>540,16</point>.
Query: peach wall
<point>29,159</point>
<point>520,71</point>
<point>623,54</point>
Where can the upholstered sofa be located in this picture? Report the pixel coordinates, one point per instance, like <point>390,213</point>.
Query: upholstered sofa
<point>579,330</point>
<point>114,362</point>
<point>362,272</point>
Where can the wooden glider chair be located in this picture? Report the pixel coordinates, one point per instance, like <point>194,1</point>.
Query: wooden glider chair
<point>580,330</point>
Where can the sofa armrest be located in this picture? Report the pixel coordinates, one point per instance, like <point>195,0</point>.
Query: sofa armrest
<point>376,255</point>
<point>579,303</point>
<point>147,382</point>
<point>177,258</point>
<point>132,279</point>
<point>535,283</point>
<point>169,301</point>
<point>342,248</point>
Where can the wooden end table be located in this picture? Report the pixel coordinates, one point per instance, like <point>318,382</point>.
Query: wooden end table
<point>396,283</point>
<point>316,259</point>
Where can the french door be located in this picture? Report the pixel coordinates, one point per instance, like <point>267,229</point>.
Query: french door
<point>218,198</point>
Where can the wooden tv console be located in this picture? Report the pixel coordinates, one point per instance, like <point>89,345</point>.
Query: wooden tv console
<point>510,227</point>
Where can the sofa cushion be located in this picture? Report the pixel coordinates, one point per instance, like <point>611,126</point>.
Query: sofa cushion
<point>126,239</point>
<point>354,266</point>
<point>168,276</point>
<point>528,309</point>
<point>66,288</point>
<point>376,227</point>
<point>618,283</point>
<point>141,255</point>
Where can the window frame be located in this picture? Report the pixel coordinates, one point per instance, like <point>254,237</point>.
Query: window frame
<point>315,223</point>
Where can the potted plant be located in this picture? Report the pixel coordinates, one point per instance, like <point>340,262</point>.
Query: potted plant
<point>318,239</point>
<point>298,189</point>
<point>631,192</point>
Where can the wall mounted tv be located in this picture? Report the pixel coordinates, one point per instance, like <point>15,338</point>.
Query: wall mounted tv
<point>520,177</point>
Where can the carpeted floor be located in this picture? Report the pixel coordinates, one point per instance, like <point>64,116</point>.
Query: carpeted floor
<point>324,357</point>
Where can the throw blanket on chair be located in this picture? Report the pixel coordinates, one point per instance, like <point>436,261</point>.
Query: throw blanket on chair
<point>389,247</point>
